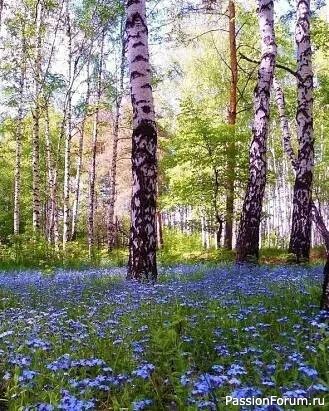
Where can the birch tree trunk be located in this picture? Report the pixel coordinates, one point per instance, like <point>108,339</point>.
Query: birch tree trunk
<point>92,172</point>
<point>300,239</point>
<point>203,233</point>
<point>248,237</point>
<point>324,232</point>
<point>55,211</point>
<point>80,158</point>
<point>231,121</point>
<point>36,124</point>
<point>19,134</point>
<point>68,135</point>
<point>316,216</point>
<point>111,227</point>
<point>142,250</point>
<point>50,178</point>
<point>159,230</point>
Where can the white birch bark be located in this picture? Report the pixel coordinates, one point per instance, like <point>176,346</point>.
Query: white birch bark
<point>248,237</point>
<point>68,133</point>
<point>142,256</point>
<point>19,134</point>
<point>36,122</point>
<point>300,239</point>
<point>92,171</point>
<point>111,231</point>
<point>80,158</point>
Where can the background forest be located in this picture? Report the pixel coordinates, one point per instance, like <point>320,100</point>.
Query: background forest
<point>66,129</point>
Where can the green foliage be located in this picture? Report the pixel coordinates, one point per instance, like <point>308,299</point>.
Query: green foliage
<point>28,251</point>
<point>183,248</point>
<point>320,34</point>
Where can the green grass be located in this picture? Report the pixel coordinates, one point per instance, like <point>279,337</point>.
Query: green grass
<point>28,252</point>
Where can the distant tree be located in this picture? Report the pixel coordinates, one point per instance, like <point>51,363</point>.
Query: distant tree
<point>92,169</point>
<point>119,92</point>
<point>232,114</point>
<point>36,114</point>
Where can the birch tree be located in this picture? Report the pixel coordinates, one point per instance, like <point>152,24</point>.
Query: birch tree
<point>68,132</point>
<point>80,154</point>
<point>92,171</point>
<point>232,113</point>
<point>248,236</point>
<point>324,232</point>
<point>113,168</point>
<point>300,239</point>
<point>316,215</point>
<point>36,113</point>
<point>142,249</point>
<point>19,133</point>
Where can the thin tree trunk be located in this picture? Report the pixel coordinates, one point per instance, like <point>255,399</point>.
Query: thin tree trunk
<point>248,237</point>
<point>92,172</point>
<point>80,158</point>
<point>1,11</point>
<point>219,232</point>
<point>159,230</point>
<point>286,136</point>
<point>300,239</point>
<point>19,134</point>
<point>231,121</point>
<point>111,231</point>
<point>36,126</point>
<point>68,136</point>
<point>203,232</point>
<point>55,211</point>
<point>50,177</point>
<point>142,256</point>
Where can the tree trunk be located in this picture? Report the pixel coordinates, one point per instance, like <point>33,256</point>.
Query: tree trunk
<point>231,121</point>
<point>142,257</point>
<point>80,157</point>
<point>36,125</point>
<point>50,177</point>
<point>111,231</point>
<point>286,136</point>
<point>159,231</point>
<point>92,172</point>
<point>203,233</point>
<point>68,135</point>
<point>324,305</point>
<point>219,232</point>
<point>315,213</point>
<point>248,237</point>
<point>55,211</point>
<point>19,134</point>
<point>324,232</point>
<point>300,239</point>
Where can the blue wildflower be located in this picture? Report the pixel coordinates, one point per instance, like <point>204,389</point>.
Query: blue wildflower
<point>298,393</point>
<point>207,383</point>
<point>245,392</point>
<point>141,404</point>
<point>144,371</point>
<point>308,371</point>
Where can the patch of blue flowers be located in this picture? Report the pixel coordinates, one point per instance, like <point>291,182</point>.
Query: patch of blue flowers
<point>87,340</point>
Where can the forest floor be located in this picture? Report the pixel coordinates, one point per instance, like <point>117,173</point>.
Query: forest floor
<point>84,340</point>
